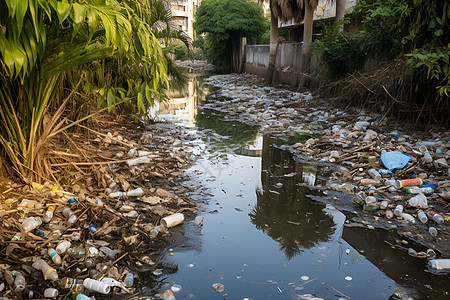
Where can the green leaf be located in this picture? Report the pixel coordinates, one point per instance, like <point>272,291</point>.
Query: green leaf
<point>79,12</point>
<point>438,32</point>
<point>21,10</point>
<point>63,10</point>
<point>44,5</point>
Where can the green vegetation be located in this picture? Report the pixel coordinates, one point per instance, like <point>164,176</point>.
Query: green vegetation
<point>225,22</point>
<point>410,36</point>
<point>54,51</point>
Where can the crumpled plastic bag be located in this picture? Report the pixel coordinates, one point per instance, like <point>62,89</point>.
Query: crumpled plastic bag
<point>394,160</point>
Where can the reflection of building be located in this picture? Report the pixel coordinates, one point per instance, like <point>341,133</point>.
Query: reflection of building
<point>184,11</point>
<point>183,105</point>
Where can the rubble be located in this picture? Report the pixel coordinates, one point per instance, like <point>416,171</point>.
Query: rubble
<point>373,158</point>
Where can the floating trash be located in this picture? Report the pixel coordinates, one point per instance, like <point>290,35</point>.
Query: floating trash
<point>304,277</point>
<point>348,278</point>
<point>157,272</point>
<point>190,266</point>
<point>218,287</point>
<point>176,288</point>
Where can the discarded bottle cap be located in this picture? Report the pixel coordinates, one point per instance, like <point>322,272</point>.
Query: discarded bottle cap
<point>71,200</point>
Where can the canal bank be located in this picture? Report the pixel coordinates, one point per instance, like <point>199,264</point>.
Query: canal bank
<point>272,227</point>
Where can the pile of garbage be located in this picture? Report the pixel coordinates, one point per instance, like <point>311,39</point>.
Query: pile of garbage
<point>396,176</point>
<point>57,241</point>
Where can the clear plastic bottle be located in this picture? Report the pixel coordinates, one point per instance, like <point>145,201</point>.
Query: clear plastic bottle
<point>78,252</point>
<point>370,200</point>
<point>435,216</point>
<point>420,200</point>
<point>48,214</point>
<point>384,204</point>
<point>54,256</point>
<point>48,272</point>
<point>129,280</point>
<point>31,223</point>
<point>69,214</point>
<point>408,218</point>
<point>389,214</point>
<point>108,251</point>
<point>427,157</point>
<point>422,216</point>
<point>432,231</point>
<point>75,285</point>
<point>17,236</point>
<point>154,232</point>
<point>63,247</point>
<point>398,210</point>
<point>55,235</point>
<point>50,293</point>
<point>374,174</point>
<point>19,281</point>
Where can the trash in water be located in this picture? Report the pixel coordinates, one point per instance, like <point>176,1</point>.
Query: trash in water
<point>218,287</point>
<point>304,277</point>
<point>348,278</point>
<point>176,288</point>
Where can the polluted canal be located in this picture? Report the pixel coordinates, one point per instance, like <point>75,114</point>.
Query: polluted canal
<point>267,226</point>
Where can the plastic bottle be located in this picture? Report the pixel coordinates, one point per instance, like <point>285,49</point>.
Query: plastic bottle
<point>63,247</point>
<point>398,210</point>
<point>384,172</point>
<point>75,285</point>
<point>370,200</point>
<point>435,216</point>
<point>54,256</point>
<point>440,264</point>
<point>48,272</point>
<point>129,280</point>
<point>154,232</point>
<point>108,251</point>
<point>418,190</point>
<point>138,160</point>
<point>358,199</point>
<point>412,252</point>
<point>48,214</point>
<point>422,216</point>
<point>408,218</point>
<point>367,182</point>
<point>136,192</point>
<point>92,228</point>
<point>384,204</point>
<point>84,297</point>
<point>427,157</point>
<point>51,293</point>
<point>78,252</point>
<point>432,231</point>
<point>55,235</point>
<point>167,295</point>
<point>68,213</point>
<point>96,286</point>
<point>31,223</point>
<point>17,236</point>
<point>19,282</point>
<point>420,201</point>
<point>408,182</point>
<point>374,174</point>
<point>389,214</point>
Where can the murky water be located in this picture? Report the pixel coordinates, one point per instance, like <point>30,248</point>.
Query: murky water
<point>265,235</point>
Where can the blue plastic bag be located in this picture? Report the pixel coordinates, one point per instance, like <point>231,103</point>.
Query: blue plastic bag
<point>394,160</point>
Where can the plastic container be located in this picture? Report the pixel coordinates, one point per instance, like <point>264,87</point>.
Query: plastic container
<point>78,252</point>
<point>374,174</point>
<point>108,251</point>
<point>440,264</point>
<point>367,182</point>
<point>172,220</point>
<point>435,216</point>
<point>17,236</point>
<point>370,200</point>
<point>398,210</point>
<point>418,190</point>
<point>384,204</point>
<point>408,218</point>
<point>136,192</point>
<point>129,280</point>
<point>92,228</point>
<point>432,231</point>
<point>167,295</point>
<point>30,223</point>
<point>422,216</point>
<point>419,201</point>
<point>54,256</point>
<point>51,293</point>
<point>154,232</point>
<point>48,272</point>
<point>427,157</point>
<point>389,214</point>
<point>138,161</point>
<point>19,281</point>
<point>63,247</point>
<point>84,297</point>
<point>29,204</point>
<point>75,285</point>
<point>96,286</point>
<point>48,214</point>
<point>55,235</point>
<point>68,213</point>
<point>408,182</point>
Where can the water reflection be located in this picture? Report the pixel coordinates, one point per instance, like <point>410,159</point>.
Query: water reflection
<point>283,210</point>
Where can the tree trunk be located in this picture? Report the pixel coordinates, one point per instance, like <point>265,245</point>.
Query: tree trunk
<point>340,12</point>
<point>307,37</point>
<point>273,47</point>
<point>243,44</point>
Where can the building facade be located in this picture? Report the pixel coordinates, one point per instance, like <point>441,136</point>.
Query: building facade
<point>184,11</point>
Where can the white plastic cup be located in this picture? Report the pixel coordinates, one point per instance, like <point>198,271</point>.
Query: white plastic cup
<point>51,293</point>
<point>48,272</point>
<point>96,286</point>
<point>384,204</point>
<point>389,214</point>
<point>432,231</point>
<point>172,220</point>
<point>420,200</point>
